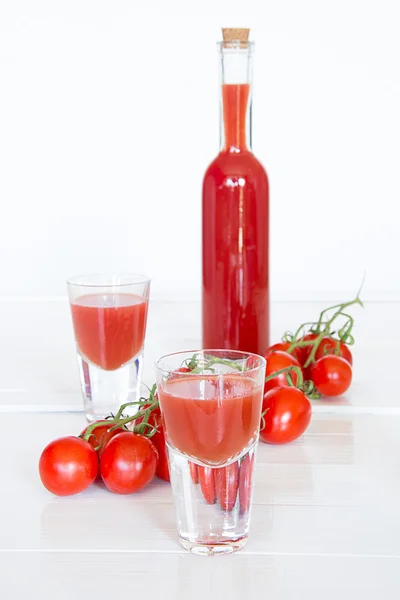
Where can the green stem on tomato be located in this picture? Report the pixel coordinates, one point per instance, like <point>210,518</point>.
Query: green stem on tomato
<point>89,431</point>
<point>340,307</point>
<point>288,370</point>
<point>262,425</point>
<point>197,365</point>
<point>140,414</point>
<point>302,326</point>
<point>322,328</point>
<point>117,422</point>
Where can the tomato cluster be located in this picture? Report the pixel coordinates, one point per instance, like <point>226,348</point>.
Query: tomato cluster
<point>124,460</point>
<point>325,361</point>
<point>286,409</point>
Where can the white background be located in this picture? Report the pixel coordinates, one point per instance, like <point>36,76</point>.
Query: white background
<point>109,116</point>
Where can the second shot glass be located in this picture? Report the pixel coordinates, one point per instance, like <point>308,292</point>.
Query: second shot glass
<point>109,315</point>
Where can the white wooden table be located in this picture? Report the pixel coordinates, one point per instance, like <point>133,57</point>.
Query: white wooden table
<point>326,514</point>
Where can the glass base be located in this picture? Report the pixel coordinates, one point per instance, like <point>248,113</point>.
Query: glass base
<point>210,549</point>
<point>212,504</point>
<point>105,391</point>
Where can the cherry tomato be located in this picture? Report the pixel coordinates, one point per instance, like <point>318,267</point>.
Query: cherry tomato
<point>101,435</point>
<point>276,361</point>
<point>287,417</point>
<point>179,372</point>
<point>158,439</point>
<point>194,472</point>
<point>68,466</point>
<point>331,375</point>
<point>227,483</point>
<point>284,347</point>
<point>128,463</point>
<point>329,346</point>
<point>207,484</point>
<point>245,481</point>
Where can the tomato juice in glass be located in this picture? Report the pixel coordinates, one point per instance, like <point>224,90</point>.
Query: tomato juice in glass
<point>211,419</point>
<point>109,314</point>
<point>109,328</point>
<point>211,416</point>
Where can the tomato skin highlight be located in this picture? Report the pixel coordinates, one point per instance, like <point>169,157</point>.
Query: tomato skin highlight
<point>287,417</point>
<point>279,360</point>
<point>328,346</point>
<point>68,466</point>
<point>128,463</point>
<point>207,484</point>
<point>227,484</point>
<point>331,375</point>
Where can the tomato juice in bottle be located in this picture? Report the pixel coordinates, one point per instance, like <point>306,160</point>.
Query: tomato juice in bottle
<point>235,238</point>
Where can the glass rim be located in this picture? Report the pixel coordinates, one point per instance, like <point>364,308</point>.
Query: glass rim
<point>89,279</point>
<point>246,355</point>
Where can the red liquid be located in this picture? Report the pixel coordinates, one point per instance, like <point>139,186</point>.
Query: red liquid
<point>235,239</point>
<point>109,328</point>
<point>201,424</point>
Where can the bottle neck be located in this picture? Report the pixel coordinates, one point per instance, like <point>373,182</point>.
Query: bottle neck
<point>236,98</point>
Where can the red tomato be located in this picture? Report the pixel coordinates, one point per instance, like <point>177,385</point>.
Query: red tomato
<point>331,375</point>
<point>287,417</point>
<point>101,435</point>
<point>245,482</point>
<point>179,372</point>
<point>128,463</point>
<point>68,466</point>
<point>158,440</point>
<point>284,347</point>
<point>207,484</point>
<point>276,361</point>
<point>194,472</point>
<point>227,483</point>
<point>329,346</point>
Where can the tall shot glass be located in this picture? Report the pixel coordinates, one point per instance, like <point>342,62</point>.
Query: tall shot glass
<point>109,315</point>
<point>211,404</point>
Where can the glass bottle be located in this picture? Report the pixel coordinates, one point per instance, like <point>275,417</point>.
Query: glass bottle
<point>235,293</point>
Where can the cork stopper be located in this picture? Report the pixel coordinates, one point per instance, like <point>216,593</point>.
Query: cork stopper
<point>236,35</point>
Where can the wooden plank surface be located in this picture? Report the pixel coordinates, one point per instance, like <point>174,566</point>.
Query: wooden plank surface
<point>70,576</point>
<point>325,521</point>
<point>326,494</point>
